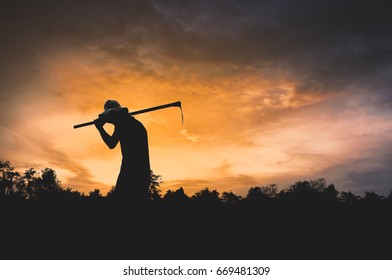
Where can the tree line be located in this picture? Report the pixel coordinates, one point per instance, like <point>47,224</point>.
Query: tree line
<point>44,185</point>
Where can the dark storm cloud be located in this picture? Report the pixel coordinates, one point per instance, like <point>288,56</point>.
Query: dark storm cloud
<point>322,44</point>
<point>371,172</point>
<point>376,178</point>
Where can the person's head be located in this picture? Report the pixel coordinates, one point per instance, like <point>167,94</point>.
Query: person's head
<point>112,110</point>
<point>111,104</point>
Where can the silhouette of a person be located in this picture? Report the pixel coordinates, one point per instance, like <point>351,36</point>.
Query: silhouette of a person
<point>134,178</point>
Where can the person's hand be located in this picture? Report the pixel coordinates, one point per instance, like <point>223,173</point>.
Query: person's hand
<point>99,123</point>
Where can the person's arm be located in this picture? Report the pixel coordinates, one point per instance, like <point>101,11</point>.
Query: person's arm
<point>110,141</point>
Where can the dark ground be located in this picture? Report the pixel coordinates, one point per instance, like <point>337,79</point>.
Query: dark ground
<point>108,230</point>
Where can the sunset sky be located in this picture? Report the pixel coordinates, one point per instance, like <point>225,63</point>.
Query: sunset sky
<point>272,91</point>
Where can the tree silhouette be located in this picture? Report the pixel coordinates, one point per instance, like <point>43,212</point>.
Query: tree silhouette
<point>349,198</point>
<point>372,197</point>
<point>31,181</point>
<point>95,194</point>
<point>48,186</point>
<point>229,198</point>
<point>257,194</point>
<point>331,194</point>
<point>177,197</point>
<point>110,193</point>
<point>207,197</point>
<point>156,181</point>
<point>9,180</point>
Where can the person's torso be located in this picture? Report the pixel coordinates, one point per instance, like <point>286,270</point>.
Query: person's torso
<point>134,145</point>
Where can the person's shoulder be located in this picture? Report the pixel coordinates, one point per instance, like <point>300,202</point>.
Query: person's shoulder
<point>135,122</point>
<point>133,119</point>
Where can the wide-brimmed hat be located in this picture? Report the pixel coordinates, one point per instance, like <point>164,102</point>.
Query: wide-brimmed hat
<point>111,105</point>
